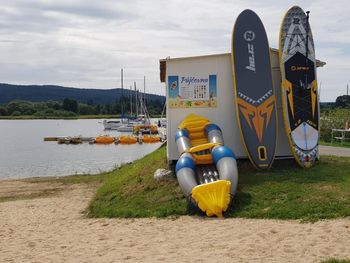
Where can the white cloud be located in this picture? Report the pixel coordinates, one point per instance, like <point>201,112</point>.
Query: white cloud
<point>85,43</point>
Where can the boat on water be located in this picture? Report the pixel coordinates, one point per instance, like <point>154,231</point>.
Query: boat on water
<point>127,139</point>
<point>206,170</point>
<point>112,124</point>
<point>104,139</point>
<point>129,122</point>
<point>125,128</point>
<point>126,124</point>
<point>140,120</point>
<point>70,140</point>
<point>150,138</point>
<point>145,129</point>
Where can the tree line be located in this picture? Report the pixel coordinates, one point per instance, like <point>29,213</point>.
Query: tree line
<point>71,108</point>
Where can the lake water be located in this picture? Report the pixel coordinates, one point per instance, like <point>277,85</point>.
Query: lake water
<point>23,153</point>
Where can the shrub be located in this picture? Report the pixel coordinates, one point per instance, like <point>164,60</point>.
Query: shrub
<point>333,119</point>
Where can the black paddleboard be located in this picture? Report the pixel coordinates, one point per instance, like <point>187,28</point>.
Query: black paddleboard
<point>253,87</point>
<point>299,86</point>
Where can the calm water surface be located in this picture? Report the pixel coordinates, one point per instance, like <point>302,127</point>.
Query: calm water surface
<point>23,153</point>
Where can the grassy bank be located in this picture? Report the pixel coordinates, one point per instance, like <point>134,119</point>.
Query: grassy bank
<point>131,191</point>
<point>336,144</point>
<point>284,192</point>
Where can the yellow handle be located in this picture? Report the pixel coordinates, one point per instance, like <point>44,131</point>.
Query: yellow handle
<point>202,147</point>
<point>202,158</point>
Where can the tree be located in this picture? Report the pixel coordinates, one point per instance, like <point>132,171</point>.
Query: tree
<point>70,105</point>
<point>53,105</point>
<point>342,101</point>
<point>85,109</point>
<point>3,111</point>
<point>21,107</point>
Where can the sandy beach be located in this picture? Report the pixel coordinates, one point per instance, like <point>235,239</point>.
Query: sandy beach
<point>54,228</point>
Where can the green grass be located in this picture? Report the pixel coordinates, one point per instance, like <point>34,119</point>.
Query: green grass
<point>336,143</point>
<point>333,260</point>
<point>284,192</point>
<point>131,191</point>
<point>289,192</point>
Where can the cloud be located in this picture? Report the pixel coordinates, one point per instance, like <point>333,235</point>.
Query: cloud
<point>85,43</point>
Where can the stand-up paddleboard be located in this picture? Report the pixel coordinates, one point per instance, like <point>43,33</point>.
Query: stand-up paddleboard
<point>254,92</point>
<point>299,86</point>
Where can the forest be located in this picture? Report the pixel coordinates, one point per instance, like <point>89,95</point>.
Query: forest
<point>71,108</point>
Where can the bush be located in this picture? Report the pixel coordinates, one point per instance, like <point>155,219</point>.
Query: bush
<point>16,113</point>
<point>55,113</point>
<point>333,119</point>
<point>3,111</point>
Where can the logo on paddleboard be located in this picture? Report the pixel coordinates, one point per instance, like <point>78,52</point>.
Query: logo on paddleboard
<point>249,36</point>
<point>299,68</point>
<point>296,20</point>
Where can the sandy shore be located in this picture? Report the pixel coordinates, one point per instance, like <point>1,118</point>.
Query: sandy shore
<point>54,229</point>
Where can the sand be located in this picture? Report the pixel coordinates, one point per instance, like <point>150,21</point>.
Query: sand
<point>54,228</point>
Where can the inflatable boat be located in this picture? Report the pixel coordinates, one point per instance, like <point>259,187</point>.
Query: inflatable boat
<point>206,170</point>
<point>104,139</point>
<point>127,139</point>
<point>150,139</point>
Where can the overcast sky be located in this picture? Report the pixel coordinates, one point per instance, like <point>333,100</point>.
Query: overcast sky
<point>86,43</point>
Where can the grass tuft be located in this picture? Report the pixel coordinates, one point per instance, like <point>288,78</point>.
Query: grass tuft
<point>333,260</point>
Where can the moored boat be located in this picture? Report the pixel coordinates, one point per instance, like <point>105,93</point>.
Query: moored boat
<point>104,139</point>
<point>112,124</point>
<point>145,129</point>
<point>69,140</point>
<point>127,139</point>
<point>150,139</point>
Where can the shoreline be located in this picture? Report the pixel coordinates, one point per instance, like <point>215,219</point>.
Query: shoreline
<point>325,150</point>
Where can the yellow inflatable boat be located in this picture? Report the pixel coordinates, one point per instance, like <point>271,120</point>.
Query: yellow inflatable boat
<point>206,170</point>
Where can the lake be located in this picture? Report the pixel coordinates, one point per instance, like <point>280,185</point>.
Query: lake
<point>24,154</point>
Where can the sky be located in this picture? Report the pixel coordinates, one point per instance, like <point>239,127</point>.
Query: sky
<point>85,44</point>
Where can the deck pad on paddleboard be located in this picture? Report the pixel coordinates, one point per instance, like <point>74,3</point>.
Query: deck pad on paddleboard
<point>299,86</point>
<point>254,92</point>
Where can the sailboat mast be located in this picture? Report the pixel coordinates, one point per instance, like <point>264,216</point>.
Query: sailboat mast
<point>136,104</point>
<point>121,99</point>
<point>121,77</point>
<point>130,100</point>
<point>144,95</point>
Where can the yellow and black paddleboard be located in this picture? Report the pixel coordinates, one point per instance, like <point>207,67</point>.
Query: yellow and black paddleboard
<point>254,92</point>
<point>299,86</point>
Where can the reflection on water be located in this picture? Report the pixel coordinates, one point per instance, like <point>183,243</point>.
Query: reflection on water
<point>24,153</point>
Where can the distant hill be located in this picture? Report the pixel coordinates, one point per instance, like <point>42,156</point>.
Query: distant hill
<point>37,93</point>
